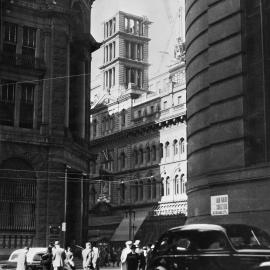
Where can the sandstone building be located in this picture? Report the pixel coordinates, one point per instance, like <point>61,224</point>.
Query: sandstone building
<point>227,52</point>
<point>44,129</point>
<point>138,134</point>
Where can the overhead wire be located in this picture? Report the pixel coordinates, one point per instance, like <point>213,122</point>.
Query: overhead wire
<point>45,79</point>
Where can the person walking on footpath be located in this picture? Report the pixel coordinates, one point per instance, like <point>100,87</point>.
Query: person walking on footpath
<point>140,253</point>
<point>124,254</point>
<point>47,259</point>
<point>133,259</point>
<point>22,259</point>
<point>70,265</point>
<point>90,257</point>
<point>58,258</point>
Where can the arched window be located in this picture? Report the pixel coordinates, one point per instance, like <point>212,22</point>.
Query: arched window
<point>175,148</point>
<point>161,150</point>
<point>167,149</point>
<point>148,154</point>
<point>135,156</point>
<point>182,146</point>
<point>154,188</point>
<point>154,153</point>
<point>122,192</point>
<point>123,118</point>
<point>112,122</point>
<point>148,186</point>
<point>141,155</point>
<point>141,190</point>
<point>95,128</point>
<point>162,183</point>
<point>122,160</point>
<point>182,184</point>
<point>136,191</point>
<point>167,186</point>
<point>176,185</point>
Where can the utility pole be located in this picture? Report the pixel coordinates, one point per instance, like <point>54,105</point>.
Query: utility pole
<point>130,213</point>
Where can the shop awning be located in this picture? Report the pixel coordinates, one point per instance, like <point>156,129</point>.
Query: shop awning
<point>122,231</point>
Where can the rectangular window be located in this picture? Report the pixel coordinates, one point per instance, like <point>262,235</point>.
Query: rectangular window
<point>11,31</point>
<point>132,56</point>
<point>114,25</point>
<point>27,106</point>
<point>126,24</point>
<point>179,98</point>
<point>29,45</point>
<point>7,102</point>
<point>131,26</point>
<point>127,49</point>
<point>29,37</point>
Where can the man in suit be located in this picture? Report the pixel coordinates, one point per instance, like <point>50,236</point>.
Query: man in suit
<point>90,257</point>
<point>58,259</point>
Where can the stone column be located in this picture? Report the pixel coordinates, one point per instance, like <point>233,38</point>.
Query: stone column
<point>46,82</point>
<point>81,99</point>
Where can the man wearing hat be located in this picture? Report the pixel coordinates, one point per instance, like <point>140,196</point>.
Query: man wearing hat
<point>140,253</point>
<point>58,258</point>
<point>124,254</point>
<point>90,257</point>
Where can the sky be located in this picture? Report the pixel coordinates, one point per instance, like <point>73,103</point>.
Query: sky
<point>165,28</point>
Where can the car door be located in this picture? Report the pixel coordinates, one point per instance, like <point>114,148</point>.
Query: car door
<point>212,252</point>
<point>171,252</point>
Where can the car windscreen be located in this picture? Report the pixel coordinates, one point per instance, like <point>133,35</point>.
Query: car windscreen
<point>14,257</point>
<point>246,237</point>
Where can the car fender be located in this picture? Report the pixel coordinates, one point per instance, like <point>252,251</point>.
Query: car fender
<point>160,268</point>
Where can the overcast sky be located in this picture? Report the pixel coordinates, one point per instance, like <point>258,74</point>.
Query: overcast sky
<point>164,29</point>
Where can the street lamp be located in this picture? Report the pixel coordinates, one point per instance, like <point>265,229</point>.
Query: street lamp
<point>64,224</point>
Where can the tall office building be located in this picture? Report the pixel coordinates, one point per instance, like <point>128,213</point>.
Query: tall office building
<point>227,102</point>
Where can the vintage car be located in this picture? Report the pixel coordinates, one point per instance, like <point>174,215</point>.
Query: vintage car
<point>211,247</point>
<point>33,259</point>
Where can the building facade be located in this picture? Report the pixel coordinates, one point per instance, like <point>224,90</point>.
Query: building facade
<point>227,104</point>
<point>44,127</point>
<point>139,138</point>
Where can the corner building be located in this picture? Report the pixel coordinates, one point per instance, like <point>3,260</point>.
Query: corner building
<point>139,138</point>
<point>44,131</point>
<point>228,110</point>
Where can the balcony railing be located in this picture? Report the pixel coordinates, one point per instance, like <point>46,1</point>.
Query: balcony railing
<point>25,61</point>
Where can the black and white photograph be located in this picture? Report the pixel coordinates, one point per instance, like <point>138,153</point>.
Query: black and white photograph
<point>134,135</point>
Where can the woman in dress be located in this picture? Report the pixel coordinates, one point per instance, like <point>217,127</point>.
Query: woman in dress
<point>70,259</point>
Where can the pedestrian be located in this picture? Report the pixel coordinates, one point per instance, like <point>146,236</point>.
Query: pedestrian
<point>58,258</point>
<point>133,259</point>
<point>47,259</point>
<point>96,255</point>
<point>124,254</point>
<point>70,265</point>
<point>140,253</point>
<point>90,257</point>
<point>22,259</point>
<point>113,256</point>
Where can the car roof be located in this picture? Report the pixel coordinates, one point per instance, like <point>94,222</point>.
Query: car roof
<point>199,227</point>
<point>31,252</point>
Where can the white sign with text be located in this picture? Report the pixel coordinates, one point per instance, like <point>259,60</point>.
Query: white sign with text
<point>219,205</point>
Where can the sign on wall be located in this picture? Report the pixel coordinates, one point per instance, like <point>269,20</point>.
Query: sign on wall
<point>219,205</point>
